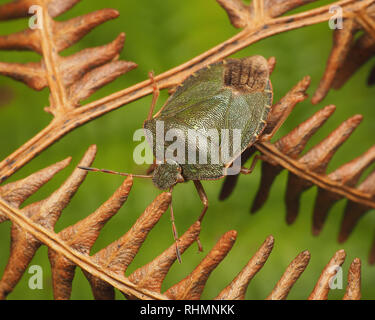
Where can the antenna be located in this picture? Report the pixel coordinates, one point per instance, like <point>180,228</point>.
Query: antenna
<point>114,172</point>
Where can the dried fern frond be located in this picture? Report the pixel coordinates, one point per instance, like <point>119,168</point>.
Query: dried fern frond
<point>310,170</point>
<point>44,213</point>
<point>34,226</point>
<point>70,79</point>
<point>349,52</point>
<point>17,192</point>
<point>242,16</point>
<point>82,237</point>
<point>119,254</point>
<point>355,211</point>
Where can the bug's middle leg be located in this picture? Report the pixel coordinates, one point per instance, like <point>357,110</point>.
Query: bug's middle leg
<point>203,197</point>
<point>155,95</point>
<point>175,234</point>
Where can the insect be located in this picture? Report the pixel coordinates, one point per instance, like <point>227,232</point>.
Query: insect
<point>235,94</point>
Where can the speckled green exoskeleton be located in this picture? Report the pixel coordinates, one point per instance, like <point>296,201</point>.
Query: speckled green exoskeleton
<point>232,94</point>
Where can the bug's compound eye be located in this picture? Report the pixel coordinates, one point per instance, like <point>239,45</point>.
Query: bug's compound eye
<point>166,175</point>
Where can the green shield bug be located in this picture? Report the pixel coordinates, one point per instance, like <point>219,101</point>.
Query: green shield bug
<point>232,96</point>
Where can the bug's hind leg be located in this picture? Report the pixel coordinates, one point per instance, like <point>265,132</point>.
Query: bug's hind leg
<point>244,170</point>
<point>155,95</point>
<point>175,234</point>
<point>204,199</point>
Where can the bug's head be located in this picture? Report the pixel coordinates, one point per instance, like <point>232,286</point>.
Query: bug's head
<point>166,175</point>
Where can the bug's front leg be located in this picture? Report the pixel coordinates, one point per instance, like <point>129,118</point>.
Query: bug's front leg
<point>155,95</point>
<point>204,199</point>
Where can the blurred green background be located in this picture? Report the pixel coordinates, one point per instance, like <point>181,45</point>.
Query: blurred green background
<point>161,35</point>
